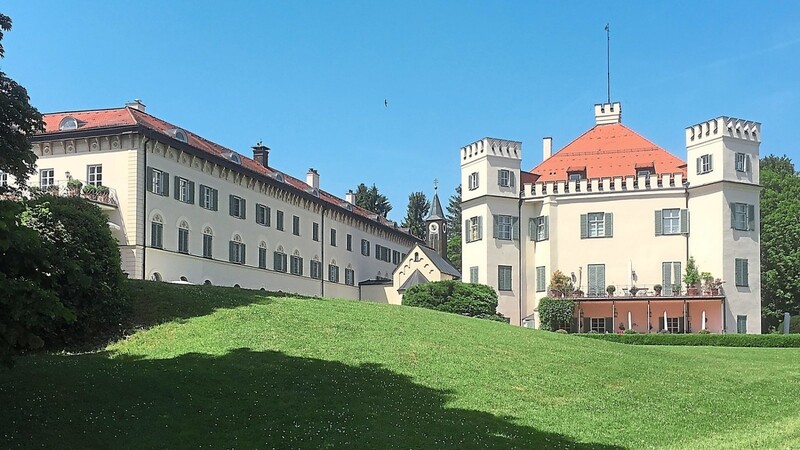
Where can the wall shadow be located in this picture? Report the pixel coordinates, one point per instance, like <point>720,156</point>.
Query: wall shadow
<point>242,399</point>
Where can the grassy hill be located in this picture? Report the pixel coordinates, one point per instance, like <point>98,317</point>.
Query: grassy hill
<point>230,368</point>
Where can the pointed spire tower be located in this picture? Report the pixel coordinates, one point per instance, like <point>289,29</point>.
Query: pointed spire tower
<point>436,225</point>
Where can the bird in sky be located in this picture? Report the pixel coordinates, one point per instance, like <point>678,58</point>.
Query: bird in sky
<point>386,103</point>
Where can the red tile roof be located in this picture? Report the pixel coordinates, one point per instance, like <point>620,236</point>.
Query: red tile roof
<point>107,118</point>
<point>611,150</point>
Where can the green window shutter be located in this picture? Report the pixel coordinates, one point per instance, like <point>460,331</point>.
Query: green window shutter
<point>680,324</point>
<point>494,227</point>
<point>699,165</point>
<point>499,172</point>
<point>609,324</point>
<point>609,218</point>
<point>658,223</point>
<point>587,324</point>
<point>733,213</point>
<point>661,324</point>
<point>215,199</point>
<point>684,221</point>
<point>515,228</point>
<point>267,216</point>
<point>177,193</point>
<point>230,250</point>
<point>546,227</point>
<point>666,277</point>
<point>747,164</point>
<point>467,232</point>
<point>710,162</point>
<point>243,208</point>
<point>584,226</point>
<point>244,253</point>
<point>230,204</point>
<point>676,266</point>
<point>276,264</point>
<point>149,179</point>
<point>165,183</point>
<point>511,178</point>
<point>751,217</point>
<point>191,192</point>
<point>480,227</point>
<point>532,229</point>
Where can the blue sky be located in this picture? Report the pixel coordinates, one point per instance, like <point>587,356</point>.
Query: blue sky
<point>310,78</point>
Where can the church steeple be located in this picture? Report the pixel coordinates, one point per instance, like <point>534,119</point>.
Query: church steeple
<point>436,224</point>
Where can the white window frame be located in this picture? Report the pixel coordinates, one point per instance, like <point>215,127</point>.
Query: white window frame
<point>597,324</point>
<point>705,164</point>
<point>473,181</point>
<point>596,225</point>
<point>365,247</point>
<point>505,278</point>
<point>541,279</point>
<point>183,187</point>
<point>505,227</point>
<point>3,179</point>
<point>474,232</point>
<point>47,178</point>
<point>741,217</point>
<point>156,234</point>
<point>505,178</point>
<point>238,251</point>
<point>262,214</point>
<point>574,177</point>
<point>473,274</point>
<point>183,240</point>
<point>237,207</point>
<point>94,174</point>
<point>207,197</point>
<point>157,182</point>
<point>671,221</point>
<point>741,162</point>
<point>262,256</point>
<point>673,325</point>
<point>280,257</point>
<point>208,245</point>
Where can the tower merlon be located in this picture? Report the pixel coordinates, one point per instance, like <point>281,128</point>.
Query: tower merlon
<point>606,113</point>
<point>491,147</point>
<point>723,126</point>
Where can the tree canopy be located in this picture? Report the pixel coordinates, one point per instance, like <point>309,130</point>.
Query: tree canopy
<point>454,227</point>
<point>370,199</point>
<point>418,208</point>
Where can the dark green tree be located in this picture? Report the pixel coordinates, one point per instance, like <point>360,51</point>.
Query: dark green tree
<point>454,227</point>
<point>418,208</point>
<point>780,239</point>
<point>370,199</point>
<point>474,300</point>
<point>18,120</point>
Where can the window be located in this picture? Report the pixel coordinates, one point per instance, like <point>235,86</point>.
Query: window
<point>395,257</point>
<point>643,173</point>
<point>742,275</point>
<point>333,273</point>
<point>184,190</point>
<point>597,225</point>
<point>315,231</point>
<point>94,175</point>
<point>316,269</point>
<point>506,227</point>
<point>474,229</point>
<point>597,280</point>
<point>238,206</point>
<point>262,214</point>
<point>296,264</point>
<point>575,176</point>
<point>743,216</point>
<point>68,123</point>
<point>296,225</point>
<point>183,237</point>
<point>157,232</point>
<point>46,178</point>
<point>598,325</point>
<point>349,277</point>
<point>674,325</point>
<point>538,229</point>
<point>158,181</point>
<point>541,279</point>
<point>349,242</point>
<point>672,221</point>
<point>3,179</point>
<point>333,237</point>
<point>279,262</point>
<point>236,252</point>
<point>503,278</point>
<point>208,243</point>
<point>262,255</point>
<point>704,164</point>
<point>742,162</point>
<point>279,220</point>
<point>741,324</point>
<point>383,253</point>
<point>505,178</point>
<point>473,181</point>
<point>208,198</point>
<point>365,247</point>
<point>473,274</point>
<point>671,277</point>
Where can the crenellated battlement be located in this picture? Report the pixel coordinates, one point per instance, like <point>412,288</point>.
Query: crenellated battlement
<point>604,185</point>
<point>723,127</point>
<point>491,146</point>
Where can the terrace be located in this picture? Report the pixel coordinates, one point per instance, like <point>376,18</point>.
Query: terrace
<point>103,196</point>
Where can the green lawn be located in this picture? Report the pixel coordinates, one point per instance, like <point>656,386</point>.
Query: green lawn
<point>231,368</point>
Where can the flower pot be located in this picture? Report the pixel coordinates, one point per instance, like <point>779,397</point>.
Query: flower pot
<point>692,291</point>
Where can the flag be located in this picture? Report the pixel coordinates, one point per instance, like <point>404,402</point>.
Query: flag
<point>606,27</point>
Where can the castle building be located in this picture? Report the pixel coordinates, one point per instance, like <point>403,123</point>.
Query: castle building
<point>611,208</point>
<point>185,209</point>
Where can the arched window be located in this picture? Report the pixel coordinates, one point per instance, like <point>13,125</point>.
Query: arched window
<point>68,123</point>
<point>184,279</point>
<point>207,283</point>
<point>296,263</point>
<point>236,250</point>
<point>157,232</point>
<point>333,272</point>
<point>316,268</point>
<point>208,243</point>
<point>236,286</point>
<point>179,134</point>
<point>262,255</point>
<point>183,237</point>
<point>350,275</point>
<point>279,261</point>
<point>155,277</point>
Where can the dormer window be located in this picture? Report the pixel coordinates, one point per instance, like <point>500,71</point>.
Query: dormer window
<point>179,135</point>
<point>315,192</point>
<point>643,173</point>
<point>68,124</point>
<point>575,176</point>
<point>279,176</point>
<point>235,158</point>
<point>576,173</point>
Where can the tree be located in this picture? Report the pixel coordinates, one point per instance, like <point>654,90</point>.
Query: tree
<point>418,208</point>
<point>18,120</point>
<point>371,200</point>
<point>454,227</point>
<point>780,239</point>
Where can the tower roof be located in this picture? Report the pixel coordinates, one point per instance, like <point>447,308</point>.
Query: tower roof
<point>436,208</point>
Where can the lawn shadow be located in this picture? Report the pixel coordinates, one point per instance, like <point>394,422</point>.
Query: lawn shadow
<point>242,399</point>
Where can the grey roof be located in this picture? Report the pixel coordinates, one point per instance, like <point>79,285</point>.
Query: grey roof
<point>436,209</point>
<point>416,278</point>
<point>442,264</point>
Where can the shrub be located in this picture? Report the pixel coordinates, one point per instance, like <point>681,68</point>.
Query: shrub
<point>561,331</point>
<point>555,311</point>
<point>611,289</point>
<point>85,264</point>
<point>468,299</point>
<point>705,331</point>
<point>630,331</point>
<point>715,340</point>
<point>560,284</point>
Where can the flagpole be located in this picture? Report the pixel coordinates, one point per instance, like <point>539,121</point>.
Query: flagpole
<point>608,61</point>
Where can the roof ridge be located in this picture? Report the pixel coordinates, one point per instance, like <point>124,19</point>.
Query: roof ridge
<point>83,111</point>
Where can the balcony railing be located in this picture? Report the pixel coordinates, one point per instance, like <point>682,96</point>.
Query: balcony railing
<point>104,196</point>
<point>623,292</point>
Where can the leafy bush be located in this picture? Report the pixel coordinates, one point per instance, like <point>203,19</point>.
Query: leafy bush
<point>555,311</point>
<point>630,331</point>
<point>85,264</point>
<point>705,331</point>
<point>468,299</point>
<point>712,340</point>
<point>561,331</point>
<point>560,284</point>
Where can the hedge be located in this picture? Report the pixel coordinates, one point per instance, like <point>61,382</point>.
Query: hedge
<point>467,299</point>
<point>711,340</point>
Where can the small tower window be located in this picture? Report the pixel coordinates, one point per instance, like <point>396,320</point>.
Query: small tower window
<point>68,123</point>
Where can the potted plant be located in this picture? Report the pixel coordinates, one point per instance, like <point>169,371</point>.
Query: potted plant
<point>102,193</point>
<point>715,286</point>
<point>578,293</point>
<point>90,191</point>
<point>691,277</point>
<point>633,290</point>
<point>676,289</point>
<point>560,285</point>
<point>658,288</point>
<point>74,187</point>
<point>611,289</point>
<point>708,279</point>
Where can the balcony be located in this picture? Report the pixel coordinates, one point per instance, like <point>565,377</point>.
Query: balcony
<point>644,292</point>
<point>102,196</point>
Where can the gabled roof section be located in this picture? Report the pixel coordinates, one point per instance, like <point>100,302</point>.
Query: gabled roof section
<point>416,278</point>
<point>610,150</point>
<point>442,264</point>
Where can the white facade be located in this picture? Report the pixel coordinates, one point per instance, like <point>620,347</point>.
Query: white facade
<point>612,228</point>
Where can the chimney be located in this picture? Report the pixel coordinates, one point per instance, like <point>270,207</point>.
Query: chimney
<point>547,147</point>
<point>607,113</point>
<point>312,178</point>
<point>261,154</point>
<point>350,197</point>
<point>136,104</point>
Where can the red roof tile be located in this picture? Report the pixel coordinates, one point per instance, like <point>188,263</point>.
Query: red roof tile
<point>612,150</point>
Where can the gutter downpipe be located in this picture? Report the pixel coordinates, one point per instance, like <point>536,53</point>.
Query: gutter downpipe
<point>519,233</point>
<point>144,211</point>
<point>322,251</point>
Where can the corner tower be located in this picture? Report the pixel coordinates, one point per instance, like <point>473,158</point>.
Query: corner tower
<point>490,208</point>
<point>436,225</point>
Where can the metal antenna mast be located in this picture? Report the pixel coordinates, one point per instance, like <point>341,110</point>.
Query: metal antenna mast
<point>608,60</point>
